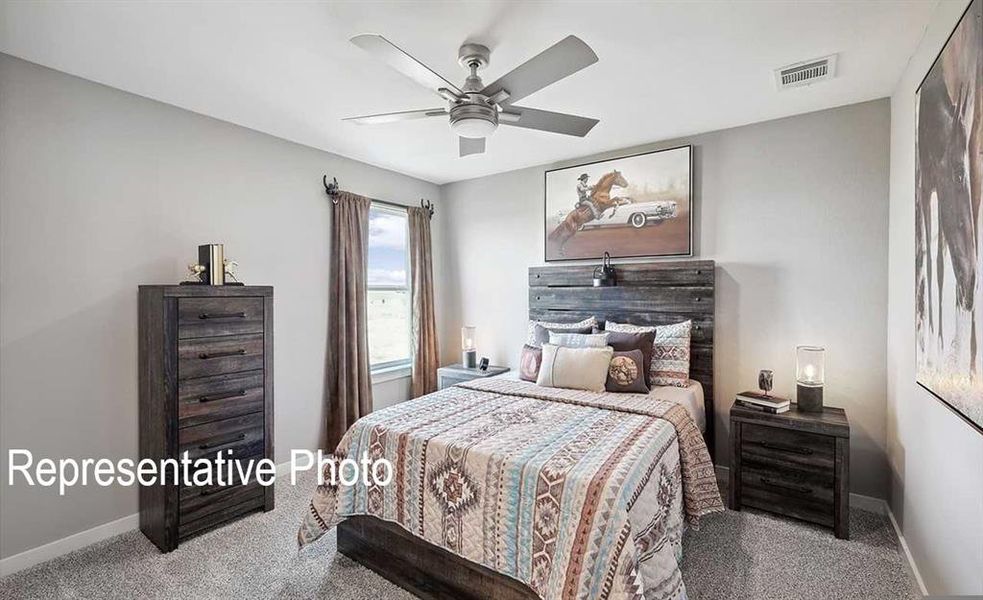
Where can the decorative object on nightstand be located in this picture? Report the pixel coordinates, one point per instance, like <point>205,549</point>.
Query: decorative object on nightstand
<point>454,374</point>
<point>810,374</point>
<point>212,267</point>
<point>766,381</point>
<point>469,355</point>
<point>795,464</point>
<point>763,402</point>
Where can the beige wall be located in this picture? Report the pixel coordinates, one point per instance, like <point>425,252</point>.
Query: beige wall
<point>936,459</point>
<point>100,191</point>
<point>794,211</point>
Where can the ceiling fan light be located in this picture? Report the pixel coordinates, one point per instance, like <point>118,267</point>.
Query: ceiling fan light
<point>473,127</point>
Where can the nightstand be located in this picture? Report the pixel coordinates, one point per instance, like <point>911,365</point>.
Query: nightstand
<point>452,374</point>
<point>795,464</point>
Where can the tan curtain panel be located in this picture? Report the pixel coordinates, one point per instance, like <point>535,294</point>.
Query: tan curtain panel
<point>349,383</point>
<point>425,360</point>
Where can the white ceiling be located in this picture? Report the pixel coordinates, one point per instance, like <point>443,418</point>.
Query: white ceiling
<point>666,69</point>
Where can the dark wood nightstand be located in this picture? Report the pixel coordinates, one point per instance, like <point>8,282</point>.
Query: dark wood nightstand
<point>452,374</point>
<point>796,464</point>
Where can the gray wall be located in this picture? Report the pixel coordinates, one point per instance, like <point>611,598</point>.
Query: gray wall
<point>100,191</point>
<point>794,212</point>
<point>936,459</point>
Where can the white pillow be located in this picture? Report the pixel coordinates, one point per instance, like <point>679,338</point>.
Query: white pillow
<point>579,340</point>
<point>575,368</point>
<point>590,322</point>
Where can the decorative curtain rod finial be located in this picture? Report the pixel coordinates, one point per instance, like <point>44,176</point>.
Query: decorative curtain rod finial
<point>428,206</point>
<point>331,189</point>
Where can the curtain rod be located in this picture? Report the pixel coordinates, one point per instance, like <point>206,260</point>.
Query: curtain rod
<point>331,189</point>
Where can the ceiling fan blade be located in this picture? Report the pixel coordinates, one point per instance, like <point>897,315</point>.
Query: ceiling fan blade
<point>544,120</point>
<point>406,115</point>
<point>396,58</point>
<point>472,146</point>
<point>560,60</point>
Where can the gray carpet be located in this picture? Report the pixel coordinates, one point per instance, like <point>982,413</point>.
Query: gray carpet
<point>733,555</point>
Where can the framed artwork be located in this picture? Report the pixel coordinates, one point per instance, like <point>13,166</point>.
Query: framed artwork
<point>948,239</point>
<point>638,205</point>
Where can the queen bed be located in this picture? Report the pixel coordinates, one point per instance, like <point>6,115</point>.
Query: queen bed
<point>507,489</point>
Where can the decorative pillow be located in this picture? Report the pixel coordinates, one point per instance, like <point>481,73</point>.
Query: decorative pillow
<point>579,340</point>
<point>626,373</point>
<point>670,351</point>
<point>542,335</point>
<point>625,342</point>
<point>588,323</point>
<point>529,363</point>
<point>575,368</point>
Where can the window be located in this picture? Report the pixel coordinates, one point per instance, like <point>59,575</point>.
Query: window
<point>388,288</point>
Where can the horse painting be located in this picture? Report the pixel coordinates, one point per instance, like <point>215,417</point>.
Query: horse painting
<point>601,197</point>
<point>948,238</point>
<point>639,205</point>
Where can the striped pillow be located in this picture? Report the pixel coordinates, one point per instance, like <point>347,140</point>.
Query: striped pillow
<point>670,351</point>
<point>588,323</point>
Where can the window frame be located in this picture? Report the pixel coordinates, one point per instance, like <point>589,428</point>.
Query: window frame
<point>395,368</point>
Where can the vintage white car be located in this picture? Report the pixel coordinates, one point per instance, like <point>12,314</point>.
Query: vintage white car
<point>636,214</point>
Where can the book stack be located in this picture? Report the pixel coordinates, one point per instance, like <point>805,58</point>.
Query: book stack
<point>763,402</point>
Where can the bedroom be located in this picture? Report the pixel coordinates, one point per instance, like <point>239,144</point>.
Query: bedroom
<point>602,454</point>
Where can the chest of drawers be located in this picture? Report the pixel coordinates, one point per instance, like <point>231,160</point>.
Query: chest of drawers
<point>206,388</point>
<point>795,464</point>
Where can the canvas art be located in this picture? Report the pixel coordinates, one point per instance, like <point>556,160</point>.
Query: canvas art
<point>948,240</point>
<point>632,206</point>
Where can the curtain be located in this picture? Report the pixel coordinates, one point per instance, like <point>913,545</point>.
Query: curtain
<point>349,383</point>
<point>425,360</point>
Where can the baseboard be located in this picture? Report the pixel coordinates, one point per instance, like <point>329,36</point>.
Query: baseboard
<point>34,556</point>
<point>77,541</point>
<point>870,504</point>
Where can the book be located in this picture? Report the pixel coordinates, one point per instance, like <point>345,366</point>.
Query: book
<point>765,409</point>
<point>763,400</point>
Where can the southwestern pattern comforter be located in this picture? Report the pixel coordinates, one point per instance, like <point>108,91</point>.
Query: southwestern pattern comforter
<point>579,495</point>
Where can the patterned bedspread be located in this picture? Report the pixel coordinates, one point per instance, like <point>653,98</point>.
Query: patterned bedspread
<point>579,495</point>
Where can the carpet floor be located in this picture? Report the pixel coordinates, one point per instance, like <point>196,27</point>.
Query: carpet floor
<point>733,555</point>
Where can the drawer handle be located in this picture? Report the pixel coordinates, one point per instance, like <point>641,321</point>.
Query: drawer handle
<point>796,489</point>
<point>222,396</point>
<point>234,315</point>
<point>211,445</point>
<point>206,355</point>
<point>784,448</point>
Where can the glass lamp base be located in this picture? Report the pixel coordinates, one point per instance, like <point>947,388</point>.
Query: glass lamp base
<point>469,358</point>
<point>809,397</point>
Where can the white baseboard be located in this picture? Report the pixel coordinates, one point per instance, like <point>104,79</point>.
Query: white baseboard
<point>34,556</point>
<point>870,504</point>
<point>76,541</point>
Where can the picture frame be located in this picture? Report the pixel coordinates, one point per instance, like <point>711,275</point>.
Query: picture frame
<point>633,206</point>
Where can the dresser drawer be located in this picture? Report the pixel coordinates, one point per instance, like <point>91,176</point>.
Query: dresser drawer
<point>786,445</point>
<point>231,508</point>
<point>197,502</point>
<point>219,397</point>
<point>242,435</point>
<point>202,357</point>
<point>208,317</point>
<point>801,500</point>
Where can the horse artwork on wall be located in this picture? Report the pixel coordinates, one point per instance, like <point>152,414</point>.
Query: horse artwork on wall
<point>638,205</point>
<point>948,238</point>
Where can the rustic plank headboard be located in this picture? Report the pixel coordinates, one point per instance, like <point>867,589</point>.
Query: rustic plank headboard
<point>658,293</point>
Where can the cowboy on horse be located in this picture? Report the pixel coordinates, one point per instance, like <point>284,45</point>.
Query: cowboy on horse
<point>584,192</point>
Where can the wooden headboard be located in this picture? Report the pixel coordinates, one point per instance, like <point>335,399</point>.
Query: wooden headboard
<point>657,293</point>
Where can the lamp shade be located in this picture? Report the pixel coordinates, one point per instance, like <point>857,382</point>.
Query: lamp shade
<point>810,366</point>
<point>467,338</point>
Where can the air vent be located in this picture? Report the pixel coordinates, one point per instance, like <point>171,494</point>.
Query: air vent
<point>806,72</point>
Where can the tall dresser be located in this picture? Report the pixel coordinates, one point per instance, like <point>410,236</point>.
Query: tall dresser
<point>206,387</point>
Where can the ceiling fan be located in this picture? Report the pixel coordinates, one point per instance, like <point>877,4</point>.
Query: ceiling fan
<point>475,110</point>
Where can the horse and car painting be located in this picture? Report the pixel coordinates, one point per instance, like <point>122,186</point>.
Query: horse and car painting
<point>633,206</point>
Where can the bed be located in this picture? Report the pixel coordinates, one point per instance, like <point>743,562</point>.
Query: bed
<point>504,489</point>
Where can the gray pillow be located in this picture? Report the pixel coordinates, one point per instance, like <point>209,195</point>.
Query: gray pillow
<point>626,373</point>
<point>579,340</point>
<point>541,334</point>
